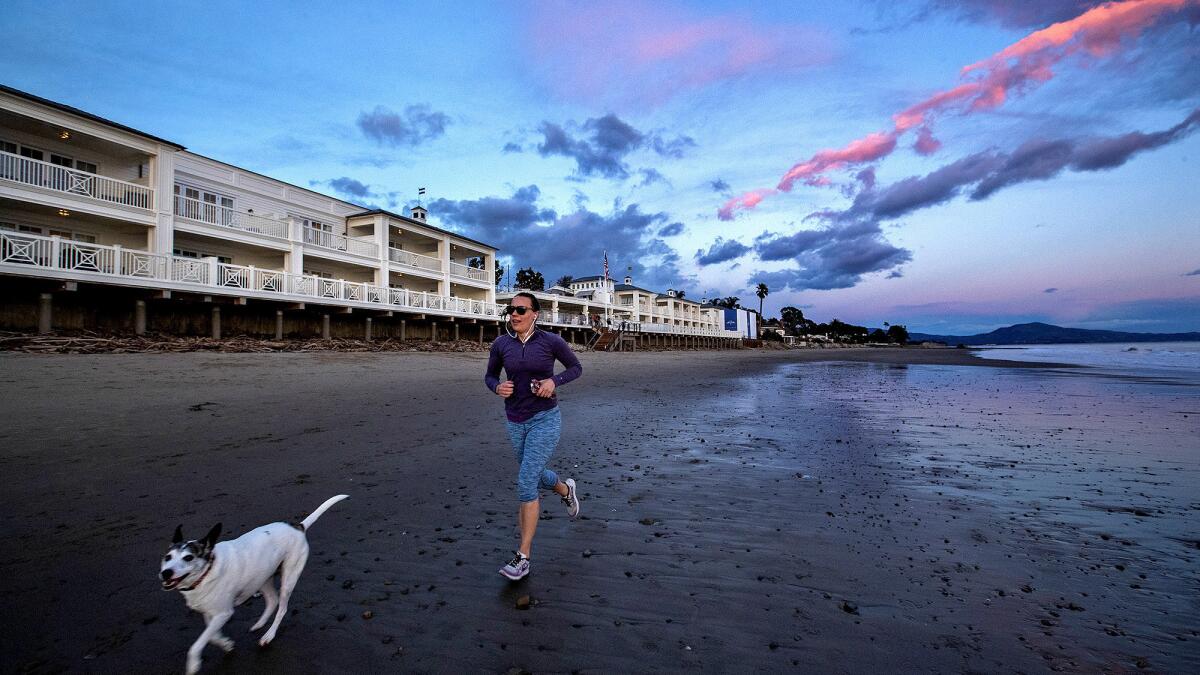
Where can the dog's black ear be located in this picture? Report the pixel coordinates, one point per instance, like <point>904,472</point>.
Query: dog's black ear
<point>210,539</point>
<point>178,538</point>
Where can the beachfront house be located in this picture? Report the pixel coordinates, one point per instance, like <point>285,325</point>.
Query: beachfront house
<point>97,219</point>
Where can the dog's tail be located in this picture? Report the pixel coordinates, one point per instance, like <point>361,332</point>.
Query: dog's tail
<point>312,518</point>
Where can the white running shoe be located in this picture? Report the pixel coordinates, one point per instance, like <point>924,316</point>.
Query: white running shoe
<point>517,568</point>
<point>572,498</point>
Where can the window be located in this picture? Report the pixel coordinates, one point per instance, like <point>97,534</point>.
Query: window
<point>186,253</point>
<point>315,273</point>
<point>203,205</point>
<point>32,153</point>
<point>6,146</point>
<point>62,161</point>
<point>87,166</point>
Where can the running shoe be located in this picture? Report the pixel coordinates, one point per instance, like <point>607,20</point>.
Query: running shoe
<point>572,499</point>
<point>517,568</point>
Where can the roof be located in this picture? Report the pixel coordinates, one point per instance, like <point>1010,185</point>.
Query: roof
<point>414,221</point>
<point>627,287</point>
<point>86,115</point>
<point>594,277</point>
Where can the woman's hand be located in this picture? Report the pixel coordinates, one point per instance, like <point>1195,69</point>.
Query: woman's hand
<point>504,389</point>
<point>546,389</point>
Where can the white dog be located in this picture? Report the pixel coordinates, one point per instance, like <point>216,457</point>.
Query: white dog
<point>214,578</point>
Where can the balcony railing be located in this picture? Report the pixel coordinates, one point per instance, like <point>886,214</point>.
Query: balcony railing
<point>466,271</point>
<point>74,182</point>
<point>425,262</point>
<point>215,214</point>
<point>36,251</point>
<point>338,242</point>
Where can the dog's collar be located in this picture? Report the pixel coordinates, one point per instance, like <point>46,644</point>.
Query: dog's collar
<point>211,563</point>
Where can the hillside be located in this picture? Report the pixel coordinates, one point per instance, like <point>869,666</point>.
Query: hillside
<point>1044,333</point>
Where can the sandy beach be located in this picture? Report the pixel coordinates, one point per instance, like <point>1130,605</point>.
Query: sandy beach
<point>749,511</point>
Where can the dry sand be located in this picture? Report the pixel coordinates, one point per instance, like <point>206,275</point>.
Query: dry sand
<point>828,511</point>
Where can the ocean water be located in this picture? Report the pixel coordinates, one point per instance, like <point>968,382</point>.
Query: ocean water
<point>1171,360</point>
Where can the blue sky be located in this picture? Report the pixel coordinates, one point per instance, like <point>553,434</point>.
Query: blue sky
<point>557,131</point>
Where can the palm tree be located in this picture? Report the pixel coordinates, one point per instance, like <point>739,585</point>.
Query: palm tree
<point>762,292</point>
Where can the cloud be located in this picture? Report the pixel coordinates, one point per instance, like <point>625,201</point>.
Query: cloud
<point>569,243</point>
<point>601,145</point>
<point>351,187</point>
<point>988,84</point>
<point>718,185</point>
<point>646,53</point>
<point>1193,273</point>
<point>650,177</point>
<point>512,147</point>
<point>1050,290</point>
<point>990,171</point>
<point>1040,160</point>
<point>417,124</point>
<point>673,229</point>
<point>834,257</point>
<point>721,250</point>
<point>1012,14</point>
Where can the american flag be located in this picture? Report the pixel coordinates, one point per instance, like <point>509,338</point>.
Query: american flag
<point>606,265</point>
<point>421,191</point>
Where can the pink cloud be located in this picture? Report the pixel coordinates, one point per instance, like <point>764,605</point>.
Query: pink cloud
<point>648,52</point>
<point>1094,34</point>
<point>926,144</point>
<point>866,149</point>
<point>748,200</point>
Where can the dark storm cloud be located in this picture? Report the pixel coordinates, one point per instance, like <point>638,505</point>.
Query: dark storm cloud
<point>572,243</point>
<point>417,124</point>
<point>601,146</point>
<point>721,251</point>
<point>1050,290</point>
<point>718,185</point>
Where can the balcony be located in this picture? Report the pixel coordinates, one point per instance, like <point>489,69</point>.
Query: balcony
<point>337,242</point>
<point>35,255</point>
<point>47,176</point>
<point>423,262</point>
<point>468,272</point>
<point>214,214</point>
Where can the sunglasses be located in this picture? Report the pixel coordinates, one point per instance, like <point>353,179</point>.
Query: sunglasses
<point>517,310</point>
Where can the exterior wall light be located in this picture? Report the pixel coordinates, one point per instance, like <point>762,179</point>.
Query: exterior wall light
<point>64,213</point>
<point>64,134</point>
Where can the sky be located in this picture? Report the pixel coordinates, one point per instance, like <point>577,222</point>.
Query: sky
<point>951,165</point>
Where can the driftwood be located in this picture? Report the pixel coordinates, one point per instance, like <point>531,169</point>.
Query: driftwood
<point>92,343</point>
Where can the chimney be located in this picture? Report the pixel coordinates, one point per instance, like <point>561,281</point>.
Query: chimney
<point>419,213</point>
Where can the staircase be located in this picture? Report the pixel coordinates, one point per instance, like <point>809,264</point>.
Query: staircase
<point>606,340</point>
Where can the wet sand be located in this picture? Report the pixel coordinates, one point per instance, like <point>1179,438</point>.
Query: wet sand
<point>824,511</point>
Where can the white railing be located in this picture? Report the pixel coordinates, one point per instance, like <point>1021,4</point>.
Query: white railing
<point>36,251</point>
<point>461,270</point>
<point>339,242</point>
<point>215,214</point>
<point>424,262</point>
<point>72,181</point>
<point>23,251</point>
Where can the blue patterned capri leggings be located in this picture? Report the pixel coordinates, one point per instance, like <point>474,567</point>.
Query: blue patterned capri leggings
<point>534,441</point>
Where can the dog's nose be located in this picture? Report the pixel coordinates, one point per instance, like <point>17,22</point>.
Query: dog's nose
<point>166,575</point>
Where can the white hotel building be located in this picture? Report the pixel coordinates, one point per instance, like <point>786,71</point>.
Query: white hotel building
<point>102,225</point>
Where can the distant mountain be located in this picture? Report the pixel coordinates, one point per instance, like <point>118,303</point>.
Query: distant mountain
<point>1044,333</point>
